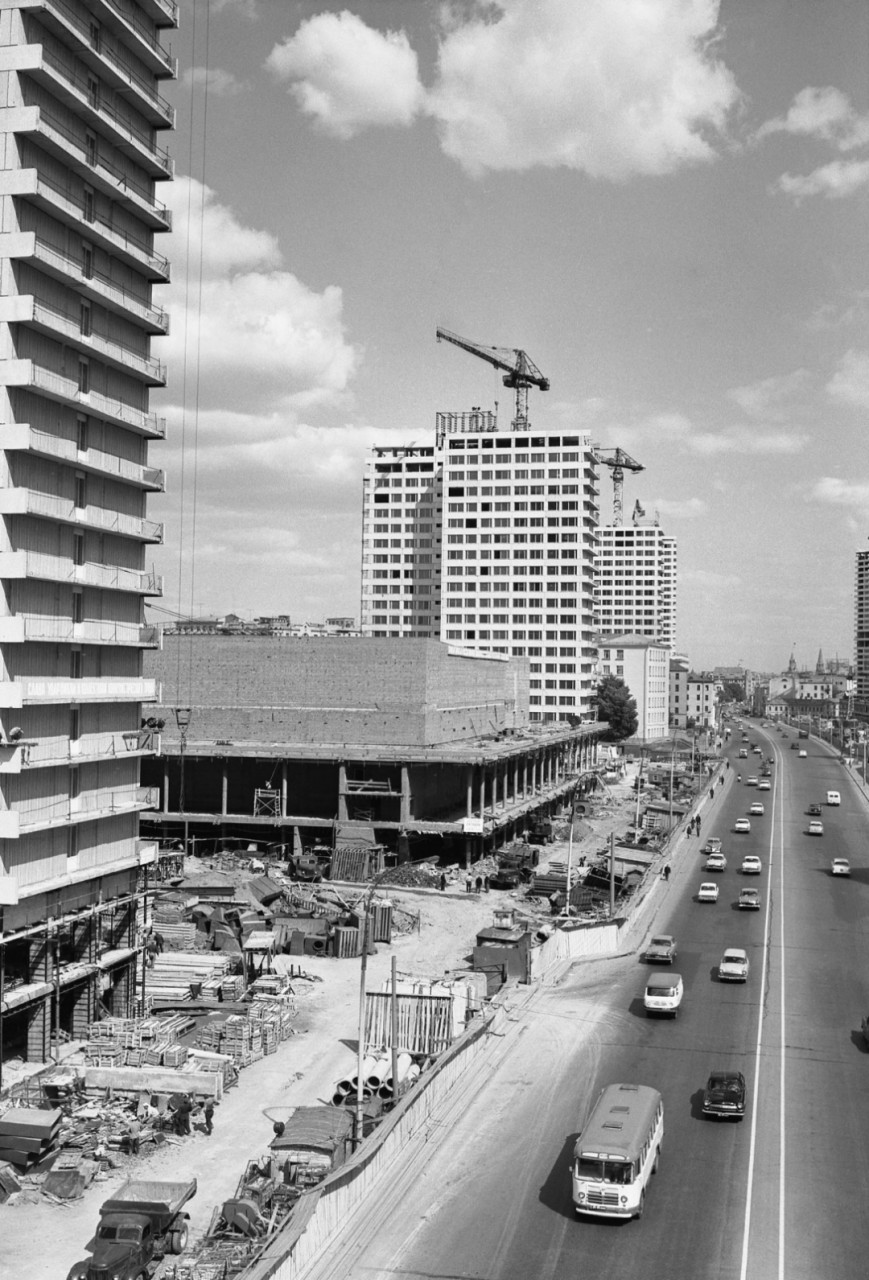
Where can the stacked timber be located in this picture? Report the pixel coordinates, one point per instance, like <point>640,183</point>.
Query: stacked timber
<point>136,1042</point>
<point>28,1135</point>
<point>175,973</point>
<point>545,883</point>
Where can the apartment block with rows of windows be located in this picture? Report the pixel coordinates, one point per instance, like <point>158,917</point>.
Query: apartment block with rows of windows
<point>861,634</point>
<point>83,121</point>
<point>401,543</point>
<point>636,582</point>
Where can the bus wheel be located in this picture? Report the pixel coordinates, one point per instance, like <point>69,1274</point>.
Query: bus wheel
<point>657,1160</point>
<point>641,1206</point>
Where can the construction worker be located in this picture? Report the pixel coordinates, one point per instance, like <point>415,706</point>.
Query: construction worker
<point>208,1113</point>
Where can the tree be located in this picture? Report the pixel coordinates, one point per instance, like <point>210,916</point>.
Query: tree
<point>616,706</point>
<point>732,691</point>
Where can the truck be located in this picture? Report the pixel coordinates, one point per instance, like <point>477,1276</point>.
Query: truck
<point>139,1225</point>
<point>309,865</point>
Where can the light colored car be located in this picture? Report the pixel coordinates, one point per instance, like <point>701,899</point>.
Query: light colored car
<point>742,825</point>
<point>751,781</point>
<point>749,900</point>
<point>816,827</point>
<point>801,755</point>
<point>733,966</point>
<point>756,809</point>
<point>751,865</point>
<point>661,950</point>
<point>715,862</point>
<point>708,892</point>
<point>841,867</point>
<point>764,785</point>
<point>663,994</point>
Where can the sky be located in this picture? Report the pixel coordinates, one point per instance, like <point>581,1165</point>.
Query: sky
<point>664,202</point>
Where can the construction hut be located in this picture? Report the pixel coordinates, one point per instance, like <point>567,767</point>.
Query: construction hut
<point>259,952</point>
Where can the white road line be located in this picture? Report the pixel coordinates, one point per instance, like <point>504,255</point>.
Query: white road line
<point>752,1150</point>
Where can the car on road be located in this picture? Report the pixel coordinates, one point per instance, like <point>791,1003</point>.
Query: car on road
<point>663,994</point>
<point>712,845</point>
<point>708,891</point>
<point>816,827</point>
<point>742,825</point>
<point>743,753</point>
<point>801,755</point>
<point>715,862</point>
<point>662,949</point>
<point>733,966</point>
<point>794,747</point>
<point>724,1095</point>
<point>749,900</point>
<point>840,867</point>
<point>814,811</point>
<point>756,809</point>
<point>764,785</point>
<point>751,781</point>
<point>751,865</point>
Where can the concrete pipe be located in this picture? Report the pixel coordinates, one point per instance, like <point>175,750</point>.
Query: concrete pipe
<point>378,1073</point>
<point>405,1062</point>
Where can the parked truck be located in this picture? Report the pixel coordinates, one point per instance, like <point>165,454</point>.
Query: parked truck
<point>138,1226</point>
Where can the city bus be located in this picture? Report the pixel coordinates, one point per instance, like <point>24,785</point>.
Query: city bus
<point>618,1151</point>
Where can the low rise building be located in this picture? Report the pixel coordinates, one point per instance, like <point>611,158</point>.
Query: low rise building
<point>643,663</point>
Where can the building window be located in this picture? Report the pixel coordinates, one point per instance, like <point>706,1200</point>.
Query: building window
<point>80,498</point>
<point>84,376</point>
<point>75,664</point>
<point>78,548</point>
<point>78,606</point>
<point>74,724</point>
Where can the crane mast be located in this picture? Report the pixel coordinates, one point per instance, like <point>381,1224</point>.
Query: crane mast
<point>520,371</point>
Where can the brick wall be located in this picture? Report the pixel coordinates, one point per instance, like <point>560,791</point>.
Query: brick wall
<point>380,692</point>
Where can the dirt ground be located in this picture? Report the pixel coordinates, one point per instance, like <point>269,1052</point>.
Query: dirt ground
<point>41,1240</point>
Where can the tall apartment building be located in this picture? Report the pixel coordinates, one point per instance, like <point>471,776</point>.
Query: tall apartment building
<point>401,542</point>
<point>636,582</point>
<point>498,534</point>
<point>83,161</point>
<point>861,633</point>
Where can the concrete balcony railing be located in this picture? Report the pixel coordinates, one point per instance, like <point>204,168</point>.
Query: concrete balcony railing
<point>23,437</point>
<point>61,810</point>
<point>163,13</point>
<point>28,310</point>
<point>43,691</point>
<point>47,568</point>
<point>47,506</point>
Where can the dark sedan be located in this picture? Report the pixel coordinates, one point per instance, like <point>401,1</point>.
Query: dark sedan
<point>814,811</point>
<point>724,1095</point>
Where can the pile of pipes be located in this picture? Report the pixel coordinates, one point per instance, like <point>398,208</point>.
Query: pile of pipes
<point>377,1080</point>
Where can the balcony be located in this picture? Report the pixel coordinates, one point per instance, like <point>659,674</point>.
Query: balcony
<point>163,13</point>
<point>133,250</point>
<point>26,439</point>
<point>48,568</point>
<point>42,691</point>
<point>108,62</point>
<point>72,89</point>
<point>71,272</point>
<point>88,749</point>
<point>61,142</point>
<point>26,373</point>
<point>26,309</point>
<point>62,811</point>
<point>44,628</point>
<point>47,506</point>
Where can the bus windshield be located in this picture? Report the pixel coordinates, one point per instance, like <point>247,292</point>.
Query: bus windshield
<point>619,1171</point>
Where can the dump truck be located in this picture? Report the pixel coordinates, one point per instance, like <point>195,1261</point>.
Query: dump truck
<point>139,1225</point>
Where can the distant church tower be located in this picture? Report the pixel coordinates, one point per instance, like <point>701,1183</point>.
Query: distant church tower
<point>819,669</point>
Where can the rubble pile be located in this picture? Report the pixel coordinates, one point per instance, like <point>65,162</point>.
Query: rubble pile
<point>420,875</point>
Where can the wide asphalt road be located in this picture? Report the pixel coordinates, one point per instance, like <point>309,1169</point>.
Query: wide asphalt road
<point>779,1196</point>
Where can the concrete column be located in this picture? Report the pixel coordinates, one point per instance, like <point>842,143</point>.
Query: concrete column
<point>224,787</point>
<point>469,787</point>
<point>482,791</point>
<point>165,784</point>
<point>404,813</point>
<point>515,779</point>
<point>284,772</point>
<point>494,787</point>
<point>39,1032</point>
<point>342,792</point>
<point>525,776</point>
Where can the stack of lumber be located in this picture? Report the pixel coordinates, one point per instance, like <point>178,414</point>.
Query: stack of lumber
<point>347,942</point>
<point>545,883</point>
<point>174,972</point>
<point>177,935</point>
<point>136,1042</point>
<point>241,1040</point>
<point>220,1063</point>
<point>28,1135</point>
<point>273,1017</point>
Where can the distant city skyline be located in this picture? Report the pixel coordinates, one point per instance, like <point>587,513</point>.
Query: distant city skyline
<point>683,256</point>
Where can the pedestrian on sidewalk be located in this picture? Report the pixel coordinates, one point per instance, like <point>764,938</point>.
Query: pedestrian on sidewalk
<point>697,823</point>
<point>667,872</point>
<point>208,1113</point>
<point>469,883</point>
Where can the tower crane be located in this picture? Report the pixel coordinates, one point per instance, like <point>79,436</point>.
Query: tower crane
<point>520,370</point>
<point>619,461</point>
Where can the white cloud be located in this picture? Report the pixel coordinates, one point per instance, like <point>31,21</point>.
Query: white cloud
<point>709,579</point>
<point>684,509</point>
<point>747,440</point>
<point>220,83</point>
<point>821,113</point>
<point>608,89</point>
<point>770,398</point>
<point>840,493</point>
<point>347,76</point>
<point>850,382</point>
<point>836,180</point>
<point>256,336</point>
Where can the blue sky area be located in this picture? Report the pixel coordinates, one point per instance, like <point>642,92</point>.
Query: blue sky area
<point>664,202</point>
